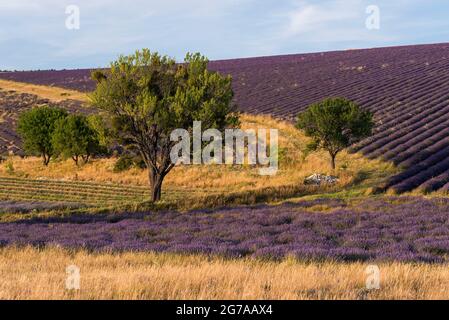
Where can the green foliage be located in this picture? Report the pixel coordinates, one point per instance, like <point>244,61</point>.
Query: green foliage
<point>147,96</point>
<point>9,166</point>
<point>36,128</point>
<point>74,138</point>
<point>102,131</point>
<point>98,76</point>
<point>124,163</point>
<point>334,124</point>
<point>128,161</point>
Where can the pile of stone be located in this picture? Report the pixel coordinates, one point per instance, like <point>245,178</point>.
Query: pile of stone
<point>319,179</point>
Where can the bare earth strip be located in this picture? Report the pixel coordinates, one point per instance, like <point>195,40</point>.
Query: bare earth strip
<point>54,94</point>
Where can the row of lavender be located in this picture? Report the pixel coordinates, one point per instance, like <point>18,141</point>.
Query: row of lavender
<point>406,88</point>
<point>399,229</point>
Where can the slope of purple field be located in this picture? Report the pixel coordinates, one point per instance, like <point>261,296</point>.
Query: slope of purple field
<point>402,229</point>
<point>407,88</point>
<point>69,79</point>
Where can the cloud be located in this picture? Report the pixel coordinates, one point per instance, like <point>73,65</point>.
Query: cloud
<point>113,27</point>
<point>218,28</point>
<point>18,5</point>
<point>327,23</point>
<point>307,18</point>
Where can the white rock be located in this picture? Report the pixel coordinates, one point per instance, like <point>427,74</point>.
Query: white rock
<point>318,179</point>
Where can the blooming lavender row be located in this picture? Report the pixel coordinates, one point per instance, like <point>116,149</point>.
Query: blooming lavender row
<point>393,229</point>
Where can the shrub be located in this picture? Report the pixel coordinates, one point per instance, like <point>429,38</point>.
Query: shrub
<point>9,166</point>
<point>124,163</point>
<point>127,161</point>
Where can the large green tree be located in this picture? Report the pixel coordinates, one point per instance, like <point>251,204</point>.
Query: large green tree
<point>147,96</point>
<point>36,128</point>
<point>74,138</point>
<point>334,124</point>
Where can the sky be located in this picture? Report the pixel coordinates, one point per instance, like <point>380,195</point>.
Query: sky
<point>45,34</point>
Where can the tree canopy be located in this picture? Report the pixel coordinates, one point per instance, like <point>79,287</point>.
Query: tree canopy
<point>147,96</point>
<point>36,128</point>
<point>334,124</point>
<point>74,138</point>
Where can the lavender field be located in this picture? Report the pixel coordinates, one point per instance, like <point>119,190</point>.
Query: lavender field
<point>388,229</point>
<point>406,88</point>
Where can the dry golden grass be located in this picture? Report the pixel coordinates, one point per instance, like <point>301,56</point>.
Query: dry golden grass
<point>293,168</point>
<point>29,273</point>
<point>46,92</point>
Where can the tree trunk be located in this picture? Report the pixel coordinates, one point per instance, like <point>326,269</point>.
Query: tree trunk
<point>46,159</point>
<point>333,156</point>
<point>86,158</point>
<point>155,185</point>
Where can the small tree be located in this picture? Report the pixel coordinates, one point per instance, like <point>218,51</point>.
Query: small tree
<point>36,128</point>
<point>334,124</point>
<point>73,137</point>
<point>147,96</point>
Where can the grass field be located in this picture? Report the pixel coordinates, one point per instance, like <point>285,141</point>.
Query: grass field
<point>54,94</point>
<point>29,273</point>
<point>96,184</point>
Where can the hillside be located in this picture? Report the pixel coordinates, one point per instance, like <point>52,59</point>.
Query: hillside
<point>406,87</point>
